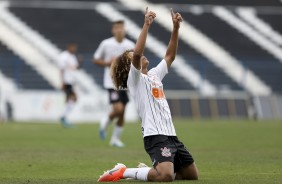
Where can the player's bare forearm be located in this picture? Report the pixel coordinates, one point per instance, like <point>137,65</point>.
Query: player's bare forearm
<point>141,41</point>
<point>101,63</point>
<point>172,47</point>
<point>140,46</point>
<point>173,43</point>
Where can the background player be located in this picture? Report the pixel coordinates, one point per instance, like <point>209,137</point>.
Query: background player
<point>171,160</point>
<point>106,53</point>
<point>68,64</point>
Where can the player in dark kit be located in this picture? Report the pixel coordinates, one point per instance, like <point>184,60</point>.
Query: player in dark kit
<point>171,160</point>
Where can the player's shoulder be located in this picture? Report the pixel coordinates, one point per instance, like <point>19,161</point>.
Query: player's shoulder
<point>127,41</point>
<point>108,40</point>
<point>161,64</point>
<point>63,54</point>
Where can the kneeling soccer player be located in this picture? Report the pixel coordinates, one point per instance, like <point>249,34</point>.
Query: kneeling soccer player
<point>171,160</point>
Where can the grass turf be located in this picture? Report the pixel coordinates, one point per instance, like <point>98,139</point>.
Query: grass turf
<point>225,152</point>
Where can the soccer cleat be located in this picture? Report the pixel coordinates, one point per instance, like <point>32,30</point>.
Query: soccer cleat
<point>117,143</point>
<point>114,174</point>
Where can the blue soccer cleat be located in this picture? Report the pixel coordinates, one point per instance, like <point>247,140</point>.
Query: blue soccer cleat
<point>103,134</point>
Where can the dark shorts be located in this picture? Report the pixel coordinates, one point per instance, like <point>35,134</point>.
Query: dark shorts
<point>118,96</point>
<point>163,148</point>
<point>68,89</point>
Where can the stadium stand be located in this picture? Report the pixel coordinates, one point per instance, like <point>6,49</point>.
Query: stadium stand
<point>76,26</point>
<point>86,28</point>
<point>274,20</point>
<point>192,57</point>
<point>251,55</point>
<point>22,74</point>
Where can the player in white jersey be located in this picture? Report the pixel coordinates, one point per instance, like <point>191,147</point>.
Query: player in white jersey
<point>107,52</point>
<point>68,64</point>
<point>171,160</point>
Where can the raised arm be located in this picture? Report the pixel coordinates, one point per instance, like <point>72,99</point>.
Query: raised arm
<point>101,62</point>
<point>173,43</point>
<point>141,41</point>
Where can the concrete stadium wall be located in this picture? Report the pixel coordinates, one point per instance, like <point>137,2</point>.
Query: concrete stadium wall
<point>232,105</point>
<point>215,107</point>
<point>48,106</point>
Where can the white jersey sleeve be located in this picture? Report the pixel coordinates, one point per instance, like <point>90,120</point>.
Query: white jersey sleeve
<point>131,44</point>
<point>62,61</point>
<point>160,70</point>
<point>100,52</point>
<point>133,77</point>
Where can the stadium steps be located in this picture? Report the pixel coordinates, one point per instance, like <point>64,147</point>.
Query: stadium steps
<point>250,16</point>
<point>192,57</point>
<point>76,26</point>
<point>24,49</point>
<point>51,52</point>
<point>23,75</point>
<point>252,56</point>
<point>274,20</point>
<point>266,44</point>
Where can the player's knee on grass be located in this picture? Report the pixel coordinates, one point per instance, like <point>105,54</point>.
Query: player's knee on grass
<point>163,172</point>
<point>167,177</point>
<point>161,176</point>
<point>188,173</point>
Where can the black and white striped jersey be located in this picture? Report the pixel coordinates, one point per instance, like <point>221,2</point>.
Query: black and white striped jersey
<point>152,107</point>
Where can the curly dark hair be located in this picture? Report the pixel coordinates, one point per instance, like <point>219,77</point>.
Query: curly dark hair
<point>120,69</point>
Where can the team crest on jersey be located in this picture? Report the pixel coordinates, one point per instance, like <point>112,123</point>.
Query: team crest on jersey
<point>166,152</point>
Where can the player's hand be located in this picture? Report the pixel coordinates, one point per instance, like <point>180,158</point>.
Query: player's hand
<point>176,19</point>
<point>149,17</point>
<point>111,61</point>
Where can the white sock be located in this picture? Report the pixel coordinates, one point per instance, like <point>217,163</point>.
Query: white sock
<point>117,132</point>
<point>105,121</point>
<point>137,173</point>
<point>68,108</point>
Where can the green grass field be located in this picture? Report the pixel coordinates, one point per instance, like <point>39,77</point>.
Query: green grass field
<point>225,152</point>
